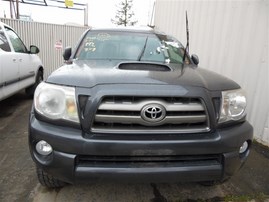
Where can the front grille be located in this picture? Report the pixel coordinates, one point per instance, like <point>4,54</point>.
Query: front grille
<point>117,114</point>
<point>183,160</point>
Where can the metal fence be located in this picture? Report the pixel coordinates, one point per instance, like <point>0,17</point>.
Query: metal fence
<point>231,38</point>
<point>51,39</point>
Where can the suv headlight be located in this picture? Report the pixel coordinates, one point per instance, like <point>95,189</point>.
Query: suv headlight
<point>233,105</point>
<point>56,102</point>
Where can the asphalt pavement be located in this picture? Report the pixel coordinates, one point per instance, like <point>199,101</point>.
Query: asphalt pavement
<point>18,181</point>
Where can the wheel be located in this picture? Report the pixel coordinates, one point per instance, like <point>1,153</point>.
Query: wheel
<point>31,90</point>
<point>48,180</point>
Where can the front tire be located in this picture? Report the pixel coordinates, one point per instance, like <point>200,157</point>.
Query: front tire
<point>48,180</point>
<point>31,90</point>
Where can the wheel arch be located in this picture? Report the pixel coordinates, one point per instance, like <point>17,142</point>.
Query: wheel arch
<point>41,69</point>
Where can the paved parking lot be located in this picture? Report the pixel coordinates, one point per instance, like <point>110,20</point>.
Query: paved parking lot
<point>18,180</point>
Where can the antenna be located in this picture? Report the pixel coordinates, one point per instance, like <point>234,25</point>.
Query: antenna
<point>187,45</point>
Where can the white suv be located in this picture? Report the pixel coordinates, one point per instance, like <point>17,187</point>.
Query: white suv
<point>20,68</point>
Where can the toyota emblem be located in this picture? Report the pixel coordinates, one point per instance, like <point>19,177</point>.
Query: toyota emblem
<point>153,113</point>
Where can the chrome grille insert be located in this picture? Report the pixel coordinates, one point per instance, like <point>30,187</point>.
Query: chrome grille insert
<point>165,115</point>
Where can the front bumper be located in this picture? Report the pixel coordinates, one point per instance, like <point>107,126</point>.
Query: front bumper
<point>80,157</point>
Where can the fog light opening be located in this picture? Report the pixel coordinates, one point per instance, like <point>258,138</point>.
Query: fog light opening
<point>243,148</point>
<point>43,148</point>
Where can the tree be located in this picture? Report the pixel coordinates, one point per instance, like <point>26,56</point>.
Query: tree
<point>124,14</point>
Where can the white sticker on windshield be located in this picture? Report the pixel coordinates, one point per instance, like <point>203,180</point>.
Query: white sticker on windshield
<point>89,45</point>
<point>103,36</point>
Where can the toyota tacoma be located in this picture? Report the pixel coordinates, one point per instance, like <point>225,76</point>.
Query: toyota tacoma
<point>132,105</point>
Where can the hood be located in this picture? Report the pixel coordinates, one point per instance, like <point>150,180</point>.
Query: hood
<point>91,73</point>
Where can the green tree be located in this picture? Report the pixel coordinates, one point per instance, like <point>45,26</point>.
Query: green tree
<point>124,14</point>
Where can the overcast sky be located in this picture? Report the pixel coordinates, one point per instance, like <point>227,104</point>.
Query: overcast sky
<point>99,15</point>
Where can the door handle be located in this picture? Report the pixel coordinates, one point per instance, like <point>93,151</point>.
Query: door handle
<point>14,60</point>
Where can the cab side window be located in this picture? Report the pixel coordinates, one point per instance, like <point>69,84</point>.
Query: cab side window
<point>16,42</point>
<point>4,45</point>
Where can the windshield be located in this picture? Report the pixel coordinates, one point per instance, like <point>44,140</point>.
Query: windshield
<point>130,46</point>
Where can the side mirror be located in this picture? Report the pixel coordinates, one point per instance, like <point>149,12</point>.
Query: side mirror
<point>195,59</point>
<point>34,49</point>
<point>67,53</point>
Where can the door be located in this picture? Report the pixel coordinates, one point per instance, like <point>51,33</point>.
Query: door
<point>9,68</point>
<point>24,58</point>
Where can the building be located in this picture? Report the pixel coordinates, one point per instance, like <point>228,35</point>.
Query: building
<point>230,38</point>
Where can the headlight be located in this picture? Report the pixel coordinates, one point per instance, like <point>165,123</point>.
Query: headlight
<point>56,102</point>
<point>233,106</point>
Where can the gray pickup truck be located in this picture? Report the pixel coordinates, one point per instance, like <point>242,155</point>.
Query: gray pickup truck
<point>131,105</point>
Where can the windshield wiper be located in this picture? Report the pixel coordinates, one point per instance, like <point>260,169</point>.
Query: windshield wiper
<point>143,50</point>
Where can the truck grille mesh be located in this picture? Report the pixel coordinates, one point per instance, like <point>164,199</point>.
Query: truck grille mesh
<point>117,114</point>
